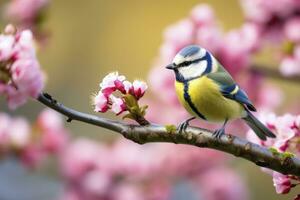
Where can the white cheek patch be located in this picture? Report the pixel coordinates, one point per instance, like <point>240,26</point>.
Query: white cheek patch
<point>194,70</point>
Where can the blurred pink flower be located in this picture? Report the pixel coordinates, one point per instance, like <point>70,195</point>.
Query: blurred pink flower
<point>19,133</point>
<point>162,80</point>
<point>20,73</point>
<point>187,161</point>
<point>129,162</point>
<point>203,14</point>
<point>32,156</point>
<point>269,98</point>
<point>6,46</point>
<point>54,135</point>
<point>290,66</point>
<point>220,184</point>
<point>128,170</point>
<point>127,192</point>
<point>292,29</point>
<point>25,13</point>
<point>237,47</point>
<point>286,129</point>
<point>79,158</point>
<point>5,122</point>
<point>180,34</point>
<point>14,132</point>
<point>97,182</point>
<point>28,81</point>
<point>261,11</point>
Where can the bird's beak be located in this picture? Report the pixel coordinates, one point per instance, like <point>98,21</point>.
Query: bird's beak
<point>170,66</point>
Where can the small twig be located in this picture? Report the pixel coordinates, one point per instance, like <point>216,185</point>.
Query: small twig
<point>195,136</point>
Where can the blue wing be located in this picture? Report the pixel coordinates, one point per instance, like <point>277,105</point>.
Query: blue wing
<point>230,89</point>
<point>235,93</point>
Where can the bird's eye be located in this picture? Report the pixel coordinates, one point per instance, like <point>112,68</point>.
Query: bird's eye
<point>185,63</point>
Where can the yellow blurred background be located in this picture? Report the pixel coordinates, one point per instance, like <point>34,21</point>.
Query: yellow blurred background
<point>93,37</point>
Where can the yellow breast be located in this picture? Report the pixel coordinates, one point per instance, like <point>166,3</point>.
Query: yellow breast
<point>207,99</point>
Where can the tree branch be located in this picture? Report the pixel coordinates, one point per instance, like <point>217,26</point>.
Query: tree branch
<point>273,73</point>
<point>199,137</point>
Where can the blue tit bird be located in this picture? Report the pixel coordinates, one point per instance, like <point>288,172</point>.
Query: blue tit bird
<point>208,91</point>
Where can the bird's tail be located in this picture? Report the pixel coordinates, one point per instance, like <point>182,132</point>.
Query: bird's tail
<point>259,128</point>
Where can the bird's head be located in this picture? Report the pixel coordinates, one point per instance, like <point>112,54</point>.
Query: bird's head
<point>190,62</point>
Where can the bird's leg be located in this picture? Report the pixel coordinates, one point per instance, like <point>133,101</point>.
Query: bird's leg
<point>183,125</point>
<point>219,132</point>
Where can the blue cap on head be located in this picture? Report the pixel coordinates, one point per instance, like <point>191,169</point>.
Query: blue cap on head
<point>189,50</point>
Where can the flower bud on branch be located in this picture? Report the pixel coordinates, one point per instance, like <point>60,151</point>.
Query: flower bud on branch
<point>130,94</point>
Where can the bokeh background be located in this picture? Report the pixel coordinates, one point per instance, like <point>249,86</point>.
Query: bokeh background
<point>91,38</point>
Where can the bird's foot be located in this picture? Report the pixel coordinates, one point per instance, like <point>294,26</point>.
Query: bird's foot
<point>219,132</point>
<point>183,125</point>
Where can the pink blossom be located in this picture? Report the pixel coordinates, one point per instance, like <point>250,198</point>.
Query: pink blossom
<point>127,159</point>
<point>14,132</point>
<point>54,135</point>
<point>203,14</point>
<point>281,126</point>
<point>261,11</point>
<point>180,33</point>
<point>118,105</point>
<point>161,80</point>
<point>292,29</point>
<point>79,158</point>
<point>269,97</point>
<point>105,99</point>
<point>6,47</point>
<point>127,86</point>
<point>139,88</point>
<point>25,78</point>
<point>173,113</point>
<point>19,133</point>
<point>110,80</point>
<point>237,46</point>
<point>282,183</point>
<point>287,131</point>
<point>220,183</point>
<point>32,156</point>
<point>255,10</point>
<point>209,37</point>
<point>97,182</point>
<point>25,12</point>
<point>290,66</point>
<point>207,33</point>
<point>5,122</point>
<point>101,102</point>
<point>187,161</point>
<point>127,192</point>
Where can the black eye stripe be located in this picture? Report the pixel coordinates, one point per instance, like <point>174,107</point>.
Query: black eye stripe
<point>187,63</point>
